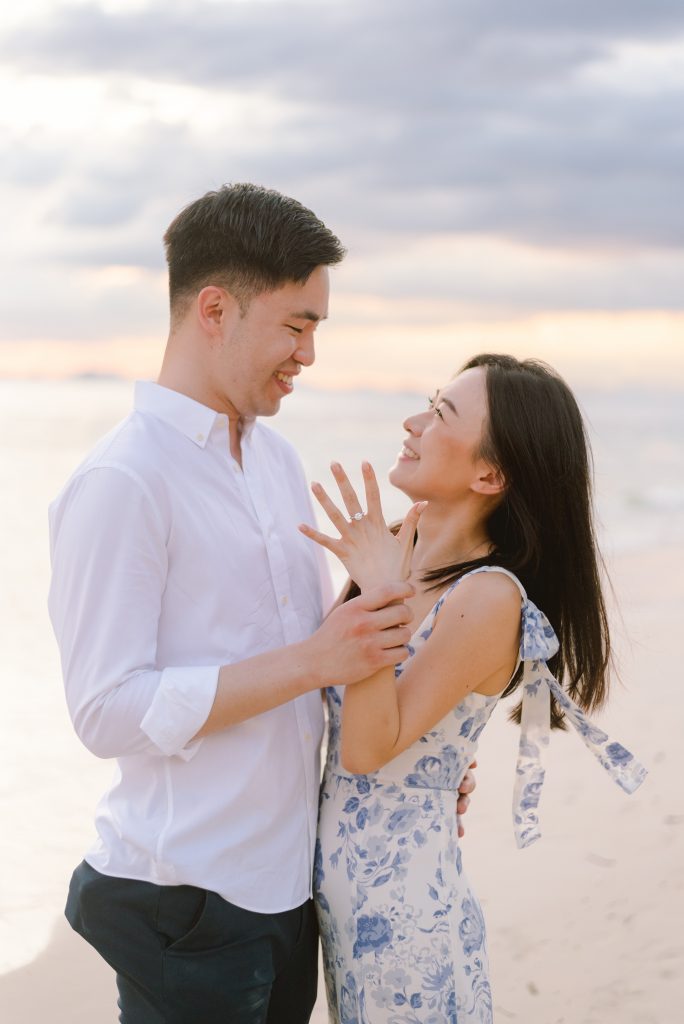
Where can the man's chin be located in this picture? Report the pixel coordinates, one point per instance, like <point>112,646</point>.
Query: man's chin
<point>270,408</point>
<point>266,407</point>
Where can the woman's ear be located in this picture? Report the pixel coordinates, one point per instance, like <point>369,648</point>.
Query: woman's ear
<point>488,480</point>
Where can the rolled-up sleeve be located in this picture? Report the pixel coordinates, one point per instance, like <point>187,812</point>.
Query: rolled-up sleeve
<point>109,572</point>
<point>179,708</point>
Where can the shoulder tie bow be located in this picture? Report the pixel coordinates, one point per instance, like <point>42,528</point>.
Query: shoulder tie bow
<point>538,644</point>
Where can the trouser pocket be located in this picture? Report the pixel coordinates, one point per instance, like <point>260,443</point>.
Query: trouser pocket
<point>180,910</point>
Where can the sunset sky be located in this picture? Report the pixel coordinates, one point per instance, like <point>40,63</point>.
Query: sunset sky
<point>505,175</point>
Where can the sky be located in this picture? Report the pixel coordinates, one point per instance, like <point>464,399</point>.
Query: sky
<point>505,175</point>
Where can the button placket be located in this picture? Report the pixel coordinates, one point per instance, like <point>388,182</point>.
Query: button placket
<point>305,730</point>
<point>275,553</point>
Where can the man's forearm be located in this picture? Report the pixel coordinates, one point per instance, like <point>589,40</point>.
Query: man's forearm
<point>258,684</point>
<point>356,640</point>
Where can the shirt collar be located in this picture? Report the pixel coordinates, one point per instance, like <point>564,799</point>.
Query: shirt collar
<point>180,411</point>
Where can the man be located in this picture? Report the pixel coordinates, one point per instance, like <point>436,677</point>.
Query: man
<point>188,610</point>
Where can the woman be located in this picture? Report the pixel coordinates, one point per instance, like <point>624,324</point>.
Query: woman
<point>498,471</point>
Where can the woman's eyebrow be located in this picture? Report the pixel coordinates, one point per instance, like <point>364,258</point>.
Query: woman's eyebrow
<point>446,401</point>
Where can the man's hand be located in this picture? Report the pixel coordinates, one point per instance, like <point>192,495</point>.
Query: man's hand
<point>468,784</point>
<point>358,638</point>
<point>363,635</point>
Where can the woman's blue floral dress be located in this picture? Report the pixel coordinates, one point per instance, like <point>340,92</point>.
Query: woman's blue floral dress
<point>402,931</point>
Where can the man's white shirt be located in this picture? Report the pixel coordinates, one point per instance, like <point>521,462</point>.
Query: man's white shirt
<point>169,560</point>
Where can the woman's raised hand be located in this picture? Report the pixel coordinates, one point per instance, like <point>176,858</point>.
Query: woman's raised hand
<point>370,552</point>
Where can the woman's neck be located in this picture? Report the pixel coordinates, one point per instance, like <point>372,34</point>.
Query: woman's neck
<point>446,537</point>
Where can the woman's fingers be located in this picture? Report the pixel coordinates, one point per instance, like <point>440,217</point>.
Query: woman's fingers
<point>351,502</point>
<point>330,508</point>
<point>408,527</point>
<point>370,483</point>
<point>407,533</point>
<point>321,538</point>
<point>349,495</point>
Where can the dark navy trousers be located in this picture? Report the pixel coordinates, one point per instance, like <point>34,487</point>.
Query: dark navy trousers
<point>184,955</point>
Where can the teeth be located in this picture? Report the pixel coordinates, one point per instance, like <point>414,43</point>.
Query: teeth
<point>284,377</point>
<point>407,453</point>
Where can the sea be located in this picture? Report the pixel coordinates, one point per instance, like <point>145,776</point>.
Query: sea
<point>48,783</point>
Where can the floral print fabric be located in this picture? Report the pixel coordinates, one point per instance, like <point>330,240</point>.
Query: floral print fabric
<point>402,931</point>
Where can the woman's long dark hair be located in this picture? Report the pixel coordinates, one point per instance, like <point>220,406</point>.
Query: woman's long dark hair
<point>543,529</point>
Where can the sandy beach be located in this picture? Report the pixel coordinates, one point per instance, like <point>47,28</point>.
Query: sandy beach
<point>584,927</point>
<point>501,179</point>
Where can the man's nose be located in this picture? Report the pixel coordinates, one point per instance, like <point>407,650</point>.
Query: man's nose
<point>305,352</point>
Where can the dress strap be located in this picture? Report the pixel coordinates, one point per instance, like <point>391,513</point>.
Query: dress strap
<point>473,572</point>
<point>537,645</point>
<point>491,568</point>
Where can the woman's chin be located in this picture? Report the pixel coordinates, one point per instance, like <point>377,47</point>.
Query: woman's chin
<point>399,479</point>
<point>395,476</point>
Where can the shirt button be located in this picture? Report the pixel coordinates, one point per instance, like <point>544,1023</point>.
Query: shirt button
<point>284,599</point>
<point>199,437</point>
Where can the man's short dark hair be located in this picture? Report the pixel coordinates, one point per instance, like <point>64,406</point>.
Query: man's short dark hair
<point>246,239</point>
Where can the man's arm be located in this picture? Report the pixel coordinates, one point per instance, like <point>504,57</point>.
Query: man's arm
<point>109,560</point>
<point>357,639</point>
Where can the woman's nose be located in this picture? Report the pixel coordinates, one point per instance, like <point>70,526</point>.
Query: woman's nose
<point>415,424</point>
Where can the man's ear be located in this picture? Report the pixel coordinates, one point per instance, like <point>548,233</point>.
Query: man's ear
<point>216,309</point>
<point>488,480</point>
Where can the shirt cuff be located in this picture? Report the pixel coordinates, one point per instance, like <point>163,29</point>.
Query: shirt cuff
<point>179,709</point>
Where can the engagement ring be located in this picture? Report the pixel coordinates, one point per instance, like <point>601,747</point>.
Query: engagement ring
<point>356,516</point>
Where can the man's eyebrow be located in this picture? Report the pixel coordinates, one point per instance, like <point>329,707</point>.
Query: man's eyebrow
<point>306,314</point>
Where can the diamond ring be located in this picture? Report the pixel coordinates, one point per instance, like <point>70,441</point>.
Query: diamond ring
<point>357,516</point>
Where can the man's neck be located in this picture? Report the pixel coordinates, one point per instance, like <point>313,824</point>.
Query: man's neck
<point>183,375</point>
<point>235,437</point>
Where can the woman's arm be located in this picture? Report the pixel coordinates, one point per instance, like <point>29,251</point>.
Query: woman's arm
<point>474,643</point>
<point>473,646</point>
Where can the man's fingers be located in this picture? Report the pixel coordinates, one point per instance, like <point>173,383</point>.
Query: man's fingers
<point>388,618</point>
<point>462,804</point>
<point>395,636</point>
<point>381,596</point>
<point>394,655</point>
<point>468,783</point>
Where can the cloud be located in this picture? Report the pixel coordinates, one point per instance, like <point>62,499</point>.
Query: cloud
<point>388,44</point>
<point>455,116</point>
<point>457,146</point>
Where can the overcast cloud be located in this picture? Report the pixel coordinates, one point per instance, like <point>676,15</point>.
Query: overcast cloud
<point>543,126</point>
